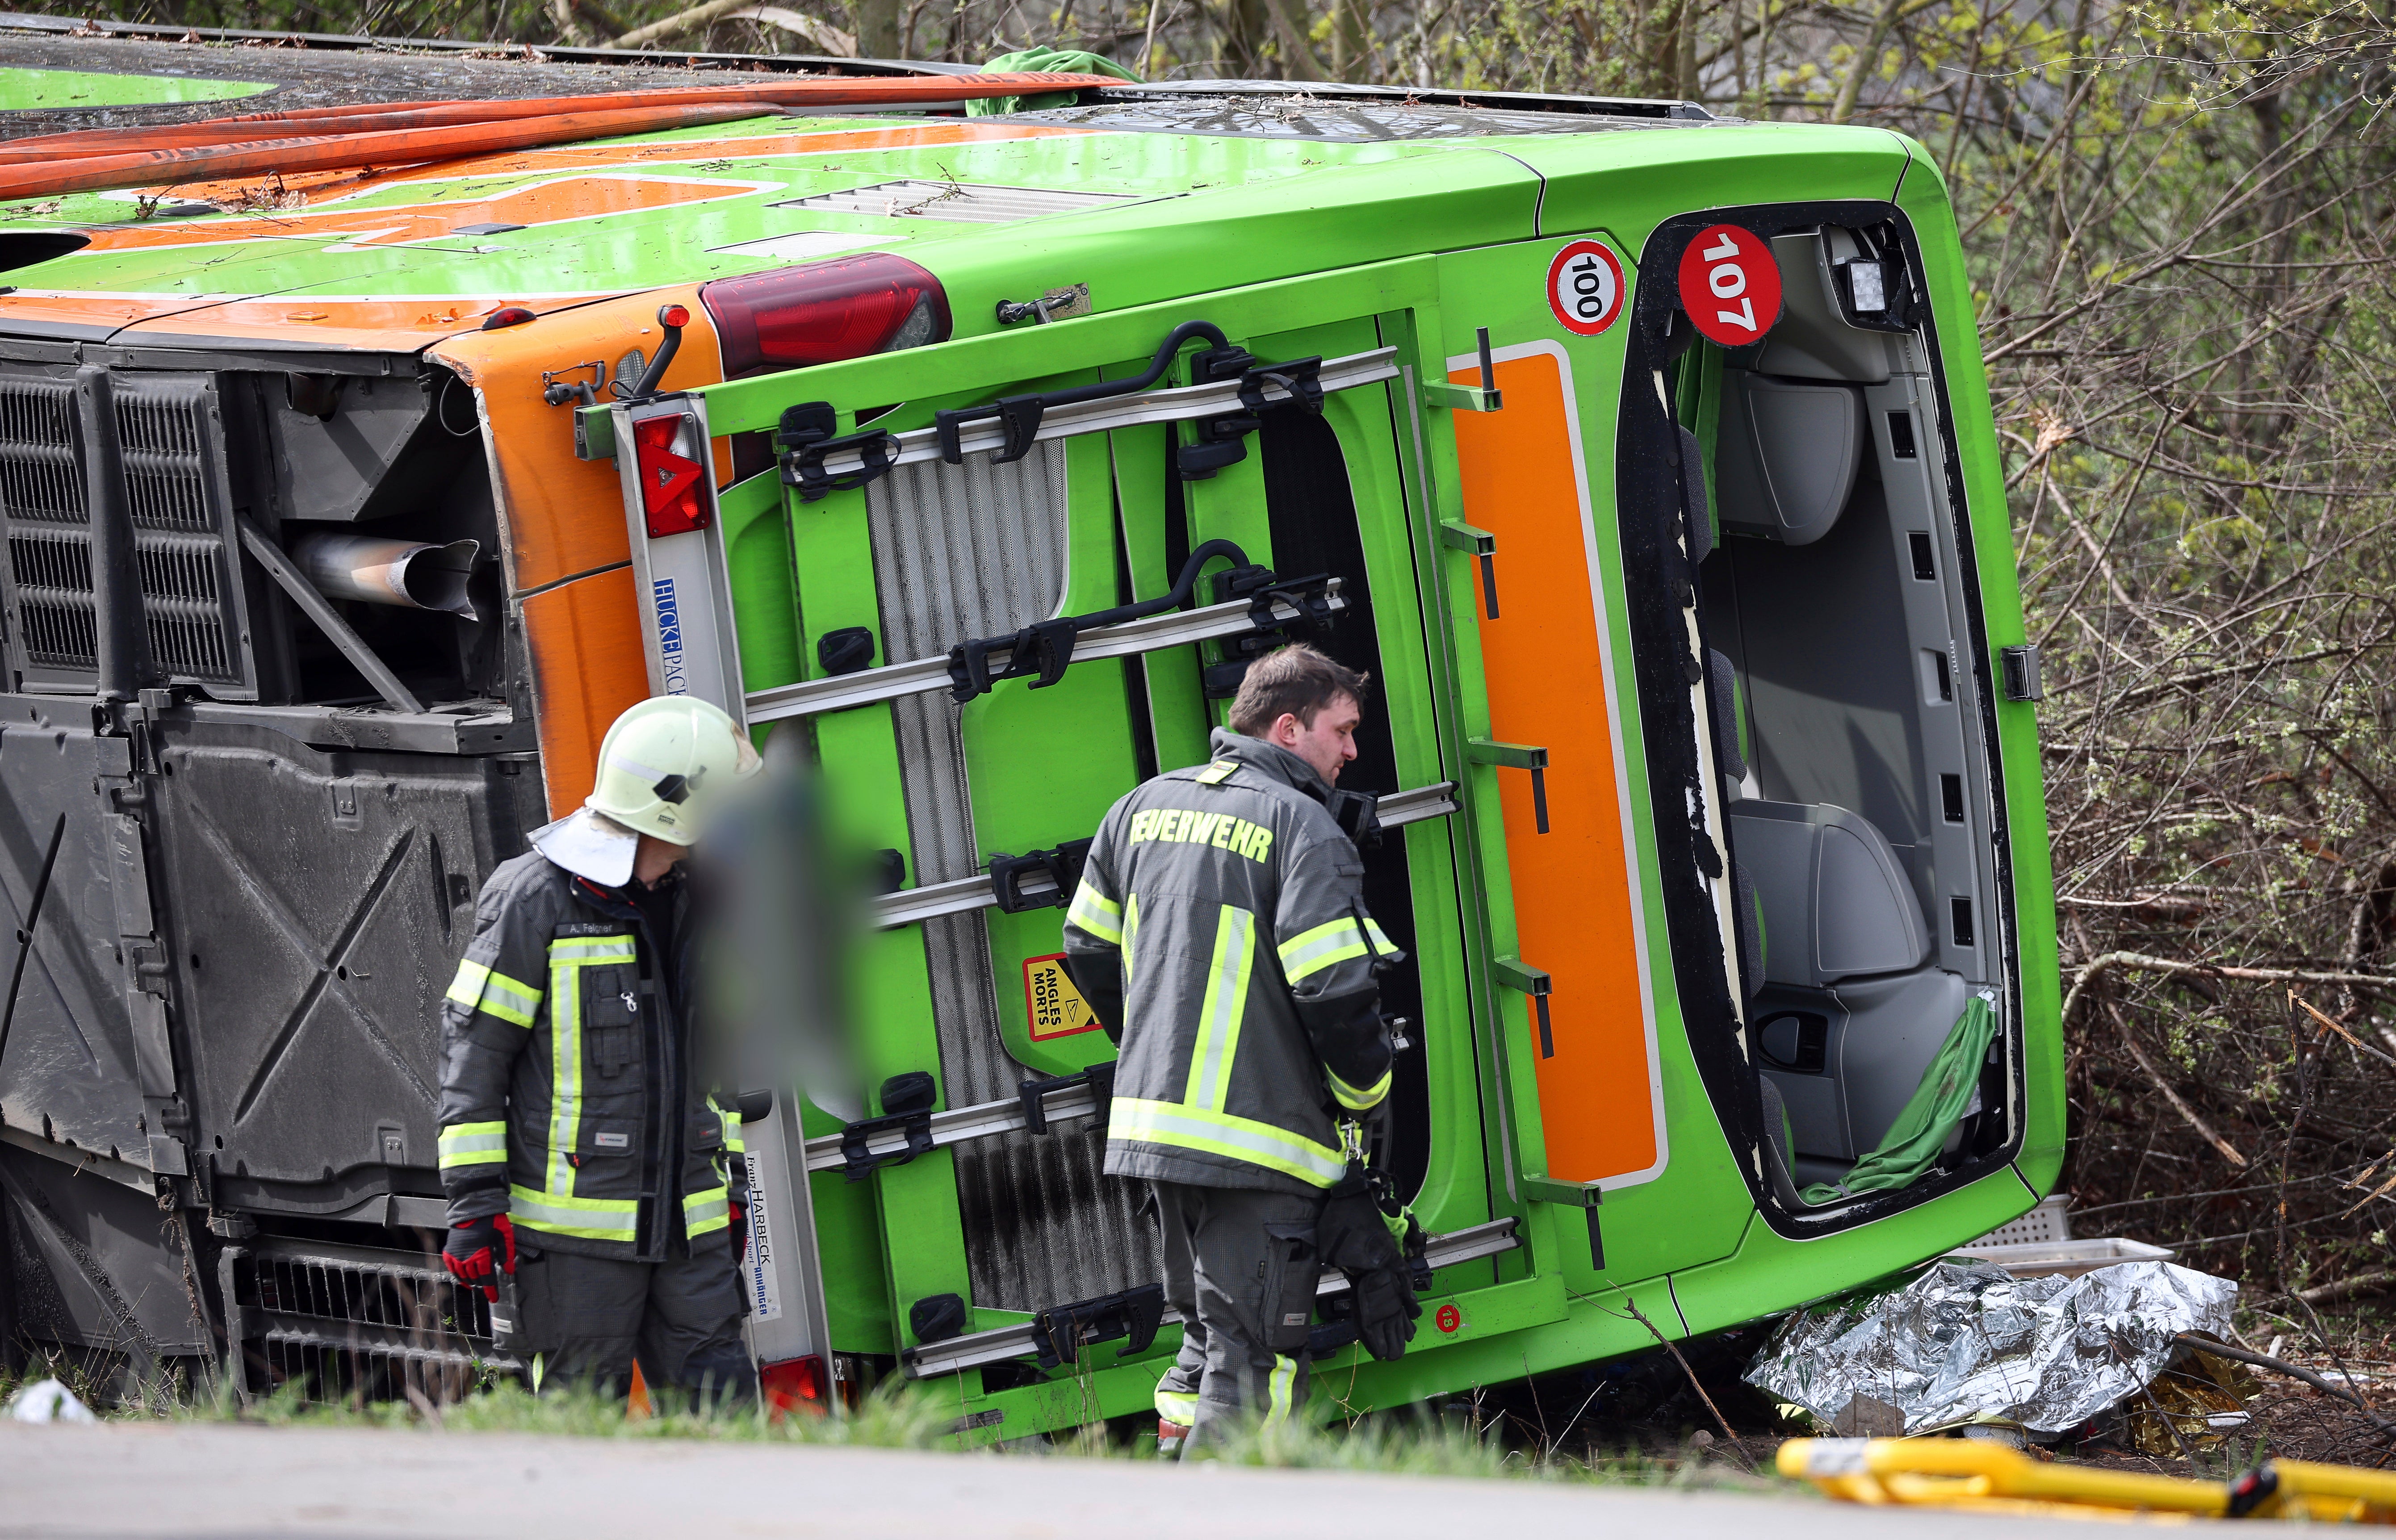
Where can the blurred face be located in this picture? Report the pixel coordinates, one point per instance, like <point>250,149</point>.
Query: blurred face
<point>1329,744</point>
<point>654,859</point>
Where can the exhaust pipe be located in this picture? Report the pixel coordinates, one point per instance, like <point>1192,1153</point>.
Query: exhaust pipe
<point>373,570</point>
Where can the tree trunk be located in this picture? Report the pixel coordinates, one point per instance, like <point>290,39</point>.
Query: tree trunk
<point>877,28</point>
<point>1351,54</point>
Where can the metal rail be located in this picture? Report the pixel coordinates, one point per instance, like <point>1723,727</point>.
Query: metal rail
<point>1181,403</point>
<point>959,1125</point>
<point>1020,1340</point>
<point>1173,628</point>
<point>964,894</point>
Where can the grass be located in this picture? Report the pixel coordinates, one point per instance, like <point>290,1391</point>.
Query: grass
<point>899,1415</point>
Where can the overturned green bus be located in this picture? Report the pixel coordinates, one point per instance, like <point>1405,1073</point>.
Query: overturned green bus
<point>1643,458</point>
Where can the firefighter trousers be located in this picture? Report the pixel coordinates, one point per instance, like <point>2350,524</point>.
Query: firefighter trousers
<point>1240,1270</point>
<point>589,1317</point>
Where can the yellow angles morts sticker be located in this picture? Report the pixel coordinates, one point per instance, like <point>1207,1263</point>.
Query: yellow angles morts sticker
<point>1053,1006</point>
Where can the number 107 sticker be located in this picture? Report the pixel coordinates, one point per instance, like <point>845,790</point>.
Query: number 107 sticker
<point>1730,285</point>
<point>1585,287</point>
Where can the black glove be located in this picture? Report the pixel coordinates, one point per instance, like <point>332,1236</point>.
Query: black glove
<point>1356,1240</point>
<point>478,1249</point>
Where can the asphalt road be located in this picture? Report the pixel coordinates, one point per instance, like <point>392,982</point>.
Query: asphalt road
<point>188,1483</point>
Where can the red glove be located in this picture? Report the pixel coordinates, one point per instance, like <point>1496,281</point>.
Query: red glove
<point>473,1250</point>
<point>739,1233</point>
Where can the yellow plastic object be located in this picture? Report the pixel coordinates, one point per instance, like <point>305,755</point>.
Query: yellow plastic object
<point>1968,1473</point>
<point>1964,1473</point>
<point>2331,1493</point>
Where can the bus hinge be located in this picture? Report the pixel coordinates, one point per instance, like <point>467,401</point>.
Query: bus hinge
<point>810,431</point>
<point>1459,536</point>
<point>1032,1094</point>
<point>906,1109</point>
<point>1483,397</point>
<point>1516,756</point>
<point>1061,867</point>
<point>1515,973</point>
<point>2021,672</point>
<point>1061,1332</point>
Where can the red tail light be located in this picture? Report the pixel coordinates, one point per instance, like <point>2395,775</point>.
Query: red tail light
<point>674,484</point>
<point>819,312</point>
<point>795,1384</point>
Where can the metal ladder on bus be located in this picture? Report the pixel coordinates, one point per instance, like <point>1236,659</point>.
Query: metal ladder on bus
<point>666,466</point>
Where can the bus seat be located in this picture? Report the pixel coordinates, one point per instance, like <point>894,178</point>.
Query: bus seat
<point>1894,1027</point>
<point>1730,723</point>
<point>1779,1152</point>
<point>1786,456</point>
<point>1836,904</point>
<point>1850,1013</point>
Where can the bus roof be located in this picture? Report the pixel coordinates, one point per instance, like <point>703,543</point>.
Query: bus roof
<point>396,258</point>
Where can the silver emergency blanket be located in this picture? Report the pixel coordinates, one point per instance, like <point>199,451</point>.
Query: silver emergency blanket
<point>1964,1342</point>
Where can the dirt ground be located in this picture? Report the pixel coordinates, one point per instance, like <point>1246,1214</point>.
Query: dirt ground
<point>1647,1410</point>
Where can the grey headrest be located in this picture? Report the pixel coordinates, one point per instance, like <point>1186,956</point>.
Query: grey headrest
<point>1836,903</point>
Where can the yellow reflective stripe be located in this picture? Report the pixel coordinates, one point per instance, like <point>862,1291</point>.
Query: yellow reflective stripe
<point>509,1000</point>
<point>1312,952</point>
<point>1380,938</point>
<point>1355,1100</point>
<point>1177,1406</point>
<point>478,989</point>
<point>1130,943</point>
<point>732,1141</point>
<point>705,1211</point>
<point>1219,1013</point>
<point>1259,1144</point>
<point>561,1214</point>
<point>567,956</point>
<point>466,987</point>
<point>473,1144</point>
<point>1278,1386</point>
<point>565,1074</point>
<point>1097,913</point>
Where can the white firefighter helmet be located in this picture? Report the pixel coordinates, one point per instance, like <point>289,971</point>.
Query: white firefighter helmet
<point>666,764</point>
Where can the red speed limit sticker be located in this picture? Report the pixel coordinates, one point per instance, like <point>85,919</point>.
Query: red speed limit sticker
<point>1585,287</point>
<point>1730,285</point>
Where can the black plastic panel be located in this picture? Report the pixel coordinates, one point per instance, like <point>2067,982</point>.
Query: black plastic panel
<point>67,1068</point>
<point>90,1264</point>
<point>318,903</point>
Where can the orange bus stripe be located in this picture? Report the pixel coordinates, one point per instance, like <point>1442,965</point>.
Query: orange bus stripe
<point>1546,685</point>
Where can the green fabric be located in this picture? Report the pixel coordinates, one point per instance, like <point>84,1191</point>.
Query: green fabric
<point>1707,424</point>
<point>1054,60</point>
<point>1755,904</point>
<point>1937,1106</point>
<point>1738,708</point>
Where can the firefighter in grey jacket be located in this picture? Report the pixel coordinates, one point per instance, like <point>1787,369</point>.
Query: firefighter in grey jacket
<point>1219,930</point>
<point>581,1148</point>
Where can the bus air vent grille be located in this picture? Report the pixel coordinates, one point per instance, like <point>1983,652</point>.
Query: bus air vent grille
<point>52,627</point>
<point>170,435</point>
<point>335,1322</point>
